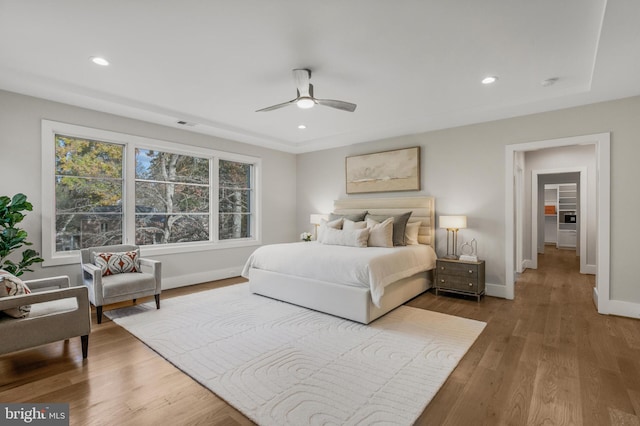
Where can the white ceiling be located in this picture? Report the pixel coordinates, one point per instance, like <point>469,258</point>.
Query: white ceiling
<point>411,65</point>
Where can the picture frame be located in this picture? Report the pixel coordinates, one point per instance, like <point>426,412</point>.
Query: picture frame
<point>385,171</point>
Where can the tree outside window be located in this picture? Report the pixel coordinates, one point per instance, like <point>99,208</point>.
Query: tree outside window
<point>172,198</point>
<point>88,193</point>
<point>235,200</point>
<point>172,193</point>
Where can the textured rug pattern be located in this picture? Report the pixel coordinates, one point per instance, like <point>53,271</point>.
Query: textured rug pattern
<point>282,364</point>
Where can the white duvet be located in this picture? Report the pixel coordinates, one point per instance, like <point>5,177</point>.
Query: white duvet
<point>372,267</point>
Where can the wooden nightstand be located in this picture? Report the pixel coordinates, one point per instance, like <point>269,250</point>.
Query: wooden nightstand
<point>460,277</point>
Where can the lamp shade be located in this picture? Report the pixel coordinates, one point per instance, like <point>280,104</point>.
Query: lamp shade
<point>315,219</point>
<point>453,222</point>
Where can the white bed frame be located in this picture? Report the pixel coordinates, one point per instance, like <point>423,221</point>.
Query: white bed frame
<point>349,302</point>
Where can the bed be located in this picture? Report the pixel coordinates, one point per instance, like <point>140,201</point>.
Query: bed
<point>336,284</point>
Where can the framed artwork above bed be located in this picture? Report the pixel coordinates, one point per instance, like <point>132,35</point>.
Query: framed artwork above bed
<point>387,171</point>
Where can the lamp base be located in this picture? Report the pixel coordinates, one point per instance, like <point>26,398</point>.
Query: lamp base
<point>450,256</point>
<point>467,258</point>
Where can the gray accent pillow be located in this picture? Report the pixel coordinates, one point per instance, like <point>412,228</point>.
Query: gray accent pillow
<point>399,226</point>
<point>355,217</point>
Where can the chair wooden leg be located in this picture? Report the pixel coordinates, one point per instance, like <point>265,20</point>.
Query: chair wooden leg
<point>85,345</point>
<point>157,296</point>
<point>99,314</point>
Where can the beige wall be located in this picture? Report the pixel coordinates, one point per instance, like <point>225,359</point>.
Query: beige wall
<point>464,168</point>
<point>20,143</point>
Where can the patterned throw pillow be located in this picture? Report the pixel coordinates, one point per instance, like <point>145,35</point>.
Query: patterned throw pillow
<point>11,285</point>
<point>117,262</point>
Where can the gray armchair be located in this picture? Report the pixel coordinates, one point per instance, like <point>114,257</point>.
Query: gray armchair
<point>58,312</point>
<point>119,287</point>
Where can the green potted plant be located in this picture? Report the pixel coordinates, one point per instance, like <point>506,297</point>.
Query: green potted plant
<point>12,237</point>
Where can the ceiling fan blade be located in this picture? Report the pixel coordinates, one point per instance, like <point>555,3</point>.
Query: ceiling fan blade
<point>305,99</point>
<point>301,77</point>
<point>278,106</point>
<point>345,106</point>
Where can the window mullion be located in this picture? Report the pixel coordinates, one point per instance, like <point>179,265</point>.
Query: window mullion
<point>214,218</point>
<point>129,198</point>
<point>256,201</point>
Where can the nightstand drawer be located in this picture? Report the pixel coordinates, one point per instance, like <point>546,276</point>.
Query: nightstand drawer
<point>458,269</point>
<point>461,277</point>
<point>458,283</point>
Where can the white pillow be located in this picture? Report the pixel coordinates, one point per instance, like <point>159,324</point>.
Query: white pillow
<point>341,237</point>
<point>350,225</point>
<point>334,224</point>
<point>411,233</point>
<point>380,234</point>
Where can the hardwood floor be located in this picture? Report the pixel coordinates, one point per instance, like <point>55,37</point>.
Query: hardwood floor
<point>545,358</point>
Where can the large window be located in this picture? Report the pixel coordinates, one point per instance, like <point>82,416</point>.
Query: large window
<point>110,188</point>
<point>172,198</point>
<point>88,193</point>
<point>235,196</point>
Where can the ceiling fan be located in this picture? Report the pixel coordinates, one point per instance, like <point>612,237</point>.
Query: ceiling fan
<point>305,97</point>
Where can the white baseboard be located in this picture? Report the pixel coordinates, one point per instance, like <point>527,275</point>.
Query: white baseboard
<point>617,307</point>
<point>624,309</point>
<point>526,264</point>
<point>589,269</point>
<point>200,277</point>
<point>496,290</point>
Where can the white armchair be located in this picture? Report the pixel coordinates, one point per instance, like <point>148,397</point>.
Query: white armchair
<point>119,287</point>
<point>58,312</point>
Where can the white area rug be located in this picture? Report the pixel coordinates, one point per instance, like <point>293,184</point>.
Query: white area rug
<point>281,364</point>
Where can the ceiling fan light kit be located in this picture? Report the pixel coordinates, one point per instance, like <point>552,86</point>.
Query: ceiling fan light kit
<point>305,98</point>
<point>305,103</point>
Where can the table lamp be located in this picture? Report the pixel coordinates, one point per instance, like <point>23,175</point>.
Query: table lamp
<point>452,224</point>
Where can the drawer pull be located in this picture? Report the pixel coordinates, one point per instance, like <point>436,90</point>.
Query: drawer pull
<point>442,267</point>
<point>471,271</point>
<point>442,281</point>
<point>470,284</point>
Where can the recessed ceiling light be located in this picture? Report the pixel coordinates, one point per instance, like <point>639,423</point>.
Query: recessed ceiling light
<point>302,127</point>
<point>489,80</point>
<point>99,61</point>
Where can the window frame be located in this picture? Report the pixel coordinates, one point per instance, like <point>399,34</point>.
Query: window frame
<point>252,198</point>
<point>130,143</point>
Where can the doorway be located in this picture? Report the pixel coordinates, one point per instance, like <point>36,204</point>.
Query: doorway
<point>540,178</point>
<point>603,172</point>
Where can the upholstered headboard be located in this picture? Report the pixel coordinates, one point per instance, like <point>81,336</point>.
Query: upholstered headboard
<point>422,208</point>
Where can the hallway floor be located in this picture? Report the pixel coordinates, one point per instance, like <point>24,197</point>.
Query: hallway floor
<point>546,357</point>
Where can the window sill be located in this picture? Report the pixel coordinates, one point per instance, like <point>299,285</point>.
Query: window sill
<point>73,257</point>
